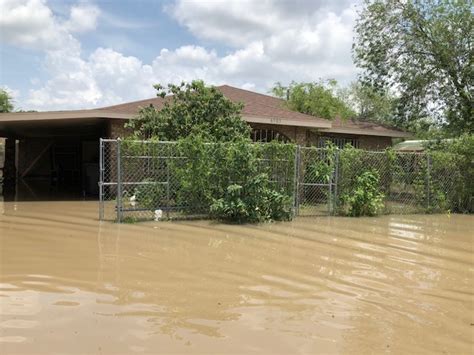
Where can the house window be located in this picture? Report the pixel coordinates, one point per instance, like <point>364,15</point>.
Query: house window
<point>338,142</point>
<point>268,135</point>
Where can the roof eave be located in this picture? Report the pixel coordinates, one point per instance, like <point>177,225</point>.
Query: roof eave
<point>61,115</point>
<point>310,123</point>
<point>368,132</point>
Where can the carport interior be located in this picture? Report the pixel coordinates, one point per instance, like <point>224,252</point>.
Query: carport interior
<point>52,160</point>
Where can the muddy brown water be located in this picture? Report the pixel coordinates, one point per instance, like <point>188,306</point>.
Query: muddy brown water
<point>70,284</point>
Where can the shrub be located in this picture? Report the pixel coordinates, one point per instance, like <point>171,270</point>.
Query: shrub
<point>231,181</point>
<point>366,199</point>
<point>319,171</point>
<point>457,154</point>
<point>149,195</point>
<point>254,202</point>
<point>192,174</point>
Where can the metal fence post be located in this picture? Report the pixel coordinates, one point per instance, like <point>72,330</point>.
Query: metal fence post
<point>331,179</point>
<point>168,195</point>
<point>101,179</point>
<point>428,179</point>
<point>297,179</point>
<point>119,182</point>
<point>336,179</point>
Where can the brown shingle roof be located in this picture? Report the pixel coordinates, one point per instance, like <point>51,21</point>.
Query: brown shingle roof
<point>352,126</point>
<point>260,108</point>
<point>257,108</point>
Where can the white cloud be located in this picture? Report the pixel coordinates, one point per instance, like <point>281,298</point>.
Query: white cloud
<point>270,40</point>
<point>107,77</point>
<point>83,18</point>
<point>31,24</point>
<point>238,22</point>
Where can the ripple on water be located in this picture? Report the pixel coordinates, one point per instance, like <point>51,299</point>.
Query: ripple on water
<point>335,285</point>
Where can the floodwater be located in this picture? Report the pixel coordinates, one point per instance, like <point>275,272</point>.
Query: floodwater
<point>394,284</point>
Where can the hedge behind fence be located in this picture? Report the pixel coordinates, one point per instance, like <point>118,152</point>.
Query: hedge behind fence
<point>246,182</point>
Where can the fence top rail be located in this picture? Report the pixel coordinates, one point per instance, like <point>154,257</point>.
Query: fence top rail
<point>137,141</point>
<point>313,148</point>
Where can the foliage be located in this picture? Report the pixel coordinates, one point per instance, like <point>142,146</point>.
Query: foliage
<point>149,194</point>
<point>6,103</point>
<point>191,109</point>
<point>253,201</point>
<point>319,99</point>
<point>319,171</point>
<point>457,156</point>
<point>229,181</point>
<point>424,51</point>
<point>370,104</point>
<point>245,182</point>
<point>321,166</point>
<point>196,187</point>
<point>366,199</point>
<point>216,168</point>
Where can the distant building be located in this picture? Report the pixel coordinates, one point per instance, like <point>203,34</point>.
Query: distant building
<point>60,148</point>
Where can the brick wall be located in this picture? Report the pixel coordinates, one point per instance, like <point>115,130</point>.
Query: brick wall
<point>300,135</point>
<point>365,142</point>
<point>297,135</point>
<point>374,142</point>
<point>116,129</point>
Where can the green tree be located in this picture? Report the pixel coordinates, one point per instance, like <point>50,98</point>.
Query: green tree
<point>6,104</point>
<point>319,99</point>
<point>191,109</point>
<point>370,104</point>
<point>422,50</point>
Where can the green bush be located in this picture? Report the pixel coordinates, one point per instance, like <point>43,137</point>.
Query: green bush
<point>192,174</point>
<point>149,195</point>
<point>235,181</point>
<point>253,202</point>
<point>320,171</point>
<point>366,199</point>
<point>455,158</point>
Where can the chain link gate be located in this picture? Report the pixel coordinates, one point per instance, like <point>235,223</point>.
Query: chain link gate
<point>317,181</point>
<point>108,184</point>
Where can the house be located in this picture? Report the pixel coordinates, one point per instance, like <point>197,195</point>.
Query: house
<point>56,153</point>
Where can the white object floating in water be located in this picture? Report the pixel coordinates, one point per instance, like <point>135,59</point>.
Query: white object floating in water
<point>133,200</point>
<point>158,215</point>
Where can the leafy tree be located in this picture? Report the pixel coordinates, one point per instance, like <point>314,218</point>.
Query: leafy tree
<point>370,104</point>
<point>221,178</point>
<point>191,109</point>
<point>422,50</point>
<point>316,98</point>
<point>6,104</point>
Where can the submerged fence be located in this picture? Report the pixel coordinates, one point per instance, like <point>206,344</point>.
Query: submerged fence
<point>145,180</point>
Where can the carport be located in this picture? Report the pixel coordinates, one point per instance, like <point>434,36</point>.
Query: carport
<point>53,155</point>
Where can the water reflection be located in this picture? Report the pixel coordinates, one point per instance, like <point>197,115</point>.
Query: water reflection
<point>313,285</point>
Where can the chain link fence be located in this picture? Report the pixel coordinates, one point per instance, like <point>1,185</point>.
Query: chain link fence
<point>143,180</point>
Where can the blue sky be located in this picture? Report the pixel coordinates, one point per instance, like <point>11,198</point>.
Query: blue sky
<point>84,54</point>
